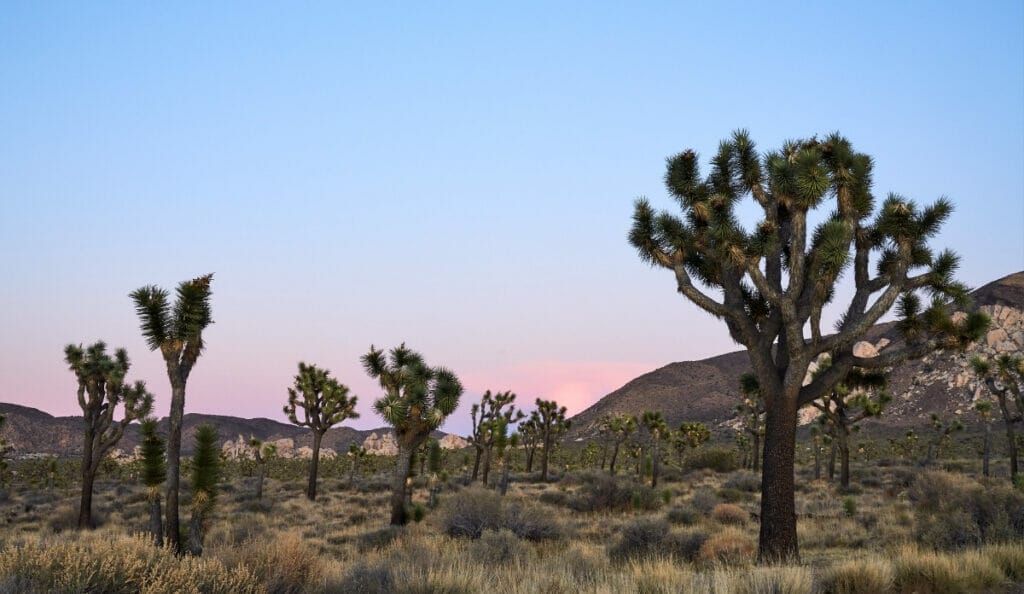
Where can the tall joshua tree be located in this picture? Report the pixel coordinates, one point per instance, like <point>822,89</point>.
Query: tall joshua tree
<point>494,410</point>
<point>689,436</point>
<point>1004,381</point>
<point>154,472</point>
<point>619,428</point>
<point>324,403</point>
<point>551,423</point>
<point>176,330</point>
<point>750,410</point>
<point>417,399</point>
<point>860,395</point>
<point>771,283</point>
<point>101,389</point>
<point>206,469</point>
<point>942,431</point>
<point>657,433</point>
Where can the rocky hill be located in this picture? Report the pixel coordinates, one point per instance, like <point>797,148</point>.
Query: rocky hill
<point>707,390</point>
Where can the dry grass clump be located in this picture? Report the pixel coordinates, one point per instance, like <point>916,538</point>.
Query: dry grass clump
<point>927,572</point>
<point>728,547</point>
<point>284,564</point>
<point>782,579</point>
<point>1009,558</point>
<point>862,576</point>
<point>111,563</point>
<point>729,514</point>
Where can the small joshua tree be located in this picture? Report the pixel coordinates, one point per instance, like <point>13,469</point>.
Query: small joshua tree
<point>262,453</point>
<point>485,417</point>
<point>324,403</point>
<point>529,435</point>
<point>657,433</point>
<point>942,431</point>
<point>619,428</point>
<point>860,395</point>
<point>551,424</point>
<point>984,410</point>
<point>750,411</point>
<point>357,454</point>
<point>154,471</point>
<point>177,332</point>
<point>689,436</point>
<point>101,389</point>
<point>206,467</point>
<point>1004,381</point>
<point>417,399</point>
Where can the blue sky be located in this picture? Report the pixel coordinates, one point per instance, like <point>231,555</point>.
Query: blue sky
<point>454,175</point>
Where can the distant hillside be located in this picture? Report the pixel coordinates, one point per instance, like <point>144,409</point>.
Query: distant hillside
<point>707,390</point>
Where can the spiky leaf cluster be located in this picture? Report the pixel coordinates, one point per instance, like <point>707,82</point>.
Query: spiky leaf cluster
<point>859,395</point>
<point>206,466</point>
<point>417,398</point>
<point>1004,378</point>
<point>550,420</point>
<point>154,460</point>
<point>770,282</point>
<point>492,417</point>
<point>322,400</point>
<point>176,329</point>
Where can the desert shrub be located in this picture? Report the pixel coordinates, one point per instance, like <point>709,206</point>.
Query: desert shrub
<point>684,514</point>
<point>469,512</point>
<point>499,547</point>
<point>604,494</point>
<point>377,539</point>
<point>640,538</point>
<point>1009,558</point>
<point>367,579</point>
<point>732,495</point>
<point>532,523</point>
<point>284,564</point>
<point>952,511</point>
<point>727,513</point>
<point>66,518</point>
<point>849,506</point>
<point>929,572</point>
<point>704,500</point>
<point>645,499</point>
<point>728,547</point>
<point>951,531</point>
<point>780,579</point>
<point>666,495</point>
<point>872,482</point>
<point>685,546</point>
<point>865,576</point>
<point>717,459</point>
<point>744,480</point>
<point>553,497</point>
<point>98,562</point>
<point>419,511</point>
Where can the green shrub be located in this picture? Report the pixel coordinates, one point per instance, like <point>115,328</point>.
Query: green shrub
<point>683,514</point>
<point>744,480</point>
<point>685,546</point>
<point>553,497</point>
<point>849,506</point>
<point>605,493</point>
<point>640,538</point>
<point>469,512</point>
<point>645,499</point>
<point>717,459</point>
<point>418,512</point>
<point>704,500</point>
<point>532,523</point>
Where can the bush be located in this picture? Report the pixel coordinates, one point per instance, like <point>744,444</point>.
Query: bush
<point>378,539</point>
<point>780,579</point>
<point>532,523</point>
<point>418,513</point>
<point>704,500</point>
<point>936,572</point>
<point>728,547</point>
<point>469,512</point>
<point>685,546</point>
<point>868,576</point>
<point>849,506</point>
<point>717,459</point>
<point>952,531</point>
<point>732,495</point>
<point>686,515</point>
<point>1008,558</point>
<point>744,480</point>
<point>499,548</point>
<point>284,565</point>
<point>367,579</point>
<point>645,499</point>
<point>727,513</point>
<point>952,512</point>
<point>604,494</point>
<point>640,538</point>
<point>553,497</point>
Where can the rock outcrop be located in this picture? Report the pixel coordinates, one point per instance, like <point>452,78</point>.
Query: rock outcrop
<point>384,445</point>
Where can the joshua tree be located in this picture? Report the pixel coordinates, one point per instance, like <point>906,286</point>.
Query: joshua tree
<point>529,435</point>
<point>770,284</point>
<point>657,432</point>
<point>507,452</point>
<point>101,389</point>
<point>417,399</point>
<point>689,436</point>
<point>205,475</point>
<point>750,411</point>
<point>551,424</point>
<point>486,416</point>
<point>984,410</point>
<point>434,463</point>
<point>154,471</point>
<point>177,332</point>
<point>619,428</point>
<point>261,453</point>
<point>324,403</point>
<point>816,438</point>
<point>942,431</point>
<point>357,453</point>
<point>860,395</point>
<point>1004,380</point>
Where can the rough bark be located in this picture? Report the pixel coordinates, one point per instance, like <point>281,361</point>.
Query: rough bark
<point>195,533</point>
<point>615,455</point>
<point>314,466</point>
<point>476,464</point>
<point>544,461</point>
<point>156,526</point>
<point>529,459</point>
<point>399,517</point>
<point>756,452</point>
<point>85,507</point>
<point>177,413</point>
<point>655,456</point>
<point>778,540</point>
<point>486,471</point>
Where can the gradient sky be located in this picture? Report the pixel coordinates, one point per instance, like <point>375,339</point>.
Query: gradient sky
<point>459,176</point>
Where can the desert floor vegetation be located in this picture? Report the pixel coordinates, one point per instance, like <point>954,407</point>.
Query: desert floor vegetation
<point>904,528</point>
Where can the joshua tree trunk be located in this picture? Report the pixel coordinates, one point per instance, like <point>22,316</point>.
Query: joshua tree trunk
<point>88,477</point>
<point>487,465</point>
<point>529,459</point>
<point>177,413</point>
<point>986,449</point>
<point>817,461</point>
<point>778,540</point>
<point>832,459</point>
<point>604,455</point>
<point>844,458</point>
<point>259,480</point>
<point>398,486</point>
<point>195,533</point>
<point>503,484</point>
<point>544,461</point>
<point>756,452</point>
<point>615,454</point>
<point>476,463</point>
<point>314,465</point>
<point>156,526</point>
<point>1011,437</point>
